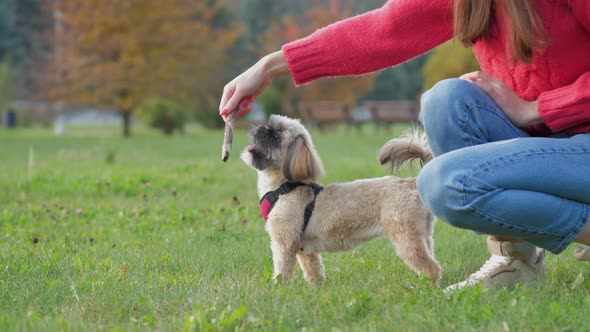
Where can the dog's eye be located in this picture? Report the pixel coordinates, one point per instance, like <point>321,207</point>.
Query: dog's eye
<point>276,136</point>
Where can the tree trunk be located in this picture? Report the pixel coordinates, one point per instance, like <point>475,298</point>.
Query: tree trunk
<point>126,123</point>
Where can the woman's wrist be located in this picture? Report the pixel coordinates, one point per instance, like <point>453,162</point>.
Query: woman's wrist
<point>533,115</point>
<point>275,64</point>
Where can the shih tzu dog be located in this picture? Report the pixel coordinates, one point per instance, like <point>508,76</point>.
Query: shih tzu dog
<point>305,219</point>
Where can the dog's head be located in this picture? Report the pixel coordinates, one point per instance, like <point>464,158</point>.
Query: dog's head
<point>285,145</point>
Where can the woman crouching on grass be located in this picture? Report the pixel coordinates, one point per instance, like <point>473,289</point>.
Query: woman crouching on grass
<point>511,142</point>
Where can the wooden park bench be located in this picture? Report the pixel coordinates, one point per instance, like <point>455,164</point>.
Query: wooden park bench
<point>322,113</point>
<point>387,113</point>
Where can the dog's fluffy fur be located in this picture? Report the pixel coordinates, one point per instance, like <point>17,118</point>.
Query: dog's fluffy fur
<point>346,214</point>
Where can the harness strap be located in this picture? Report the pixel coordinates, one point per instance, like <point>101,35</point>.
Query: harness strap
<point>311,205</point>
<point>268,201</point>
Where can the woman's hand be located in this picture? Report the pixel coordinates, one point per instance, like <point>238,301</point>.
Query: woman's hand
<point>241,91</point>
<point>521,112</point>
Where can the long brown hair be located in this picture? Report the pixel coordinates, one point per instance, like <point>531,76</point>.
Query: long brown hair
<point>473,19</point>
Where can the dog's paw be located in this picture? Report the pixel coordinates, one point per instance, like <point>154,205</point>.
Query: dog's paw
<point>278,280</point>
<point>582,253</point>
<point>318,281</point>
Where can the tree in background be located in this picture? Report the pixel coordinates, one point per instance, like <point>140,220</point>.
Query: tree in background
<point>22,44</point>
<point>162,114</point>
<point>447,61</point>
<point>402,82</point>
<point>8,89</point>
<point>117,53</point>
<point>258,16</point>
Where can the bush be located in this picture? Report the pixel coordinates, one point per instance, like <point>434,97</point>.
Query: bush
<point>162,114</point>
<point>208,117</point>
<point>270,100</point>
<point>8,90</point>
<point>449,60</point>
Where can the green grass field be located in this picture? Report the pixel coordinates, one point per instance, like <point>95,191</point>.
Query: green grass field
<point>104,233</point>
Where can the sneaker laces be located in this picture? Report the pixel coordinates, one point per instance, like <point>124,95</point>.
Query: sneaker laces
<point>495,262</point>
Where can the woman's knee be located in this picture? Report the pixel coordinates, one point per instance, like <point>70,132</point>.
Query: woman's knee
<point>443,100</point>
<point>441,190</point>
<point>446,114</point>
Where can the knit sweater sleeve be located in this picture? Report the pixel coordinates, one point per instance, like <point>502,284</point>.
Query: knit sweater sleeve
<point>567,109</point>
<point>384,37</point>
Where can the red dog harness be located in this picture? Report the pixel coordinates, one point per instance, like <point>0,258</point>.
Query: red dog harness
<point>268,201</point>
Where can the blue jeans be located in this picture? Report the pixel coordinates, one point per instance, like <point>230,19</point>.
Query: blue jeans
<point>491,177</point>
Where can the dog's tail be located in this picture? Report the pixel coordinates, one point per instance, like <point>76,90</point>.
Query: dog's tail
<point>410,146</point>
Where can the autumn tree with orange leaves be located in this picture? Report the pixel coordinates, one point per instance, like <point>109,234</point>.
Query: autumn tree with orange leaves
<point>117,53</point>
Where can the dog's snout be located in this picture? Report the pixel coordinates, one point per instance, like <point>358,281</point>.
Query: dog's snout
<point>265,137</point>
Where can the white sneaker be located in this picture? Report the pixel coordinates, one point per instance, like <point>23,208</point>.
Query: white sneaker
<point>510,263</point>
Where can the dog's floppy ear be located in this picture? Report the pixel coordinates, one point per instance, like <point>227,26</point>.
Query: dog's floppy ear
<point>302,162</point>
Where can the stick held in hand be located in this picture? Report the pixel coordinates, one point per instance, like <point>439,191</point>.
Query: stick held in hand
<point>228,135</point>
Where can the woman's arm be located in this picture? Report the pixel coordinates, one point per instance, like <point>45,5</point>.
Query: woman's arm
<point>388,36</point>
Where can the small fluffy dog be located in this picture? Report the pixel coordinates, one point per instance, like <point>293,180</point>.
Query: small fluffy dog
<point>305,219</point>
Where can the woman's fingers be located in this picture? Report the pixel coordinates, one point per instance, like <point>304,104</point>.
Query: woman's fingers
<point>477,75</point>
<point>231,105</point>
<point>492,86</point>
<point>486,86</point>
<point>239,95</point>
<point>519,111</point>
<point>228,91</point>
<point>243,106</point>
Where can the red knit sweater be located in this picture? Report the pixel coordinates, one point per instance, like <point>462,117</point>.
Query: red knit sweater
<point>559,76</point>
